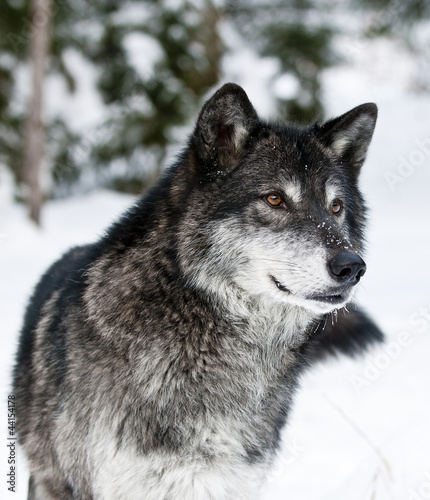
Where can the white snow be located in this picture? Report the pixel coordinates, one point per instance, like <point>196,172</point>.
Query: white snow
<point>143,52</point>
<point>74,107</point>
<point>359,429</point>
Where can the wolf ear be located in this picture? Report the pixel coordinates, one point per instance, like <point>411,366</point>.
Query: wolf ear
<point>223,126</point>
<point>349,135</point>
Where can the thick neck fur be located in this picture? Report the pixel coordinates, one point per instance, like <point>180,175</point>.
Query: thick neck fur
<point>178,271</point>
<point>198,326</point>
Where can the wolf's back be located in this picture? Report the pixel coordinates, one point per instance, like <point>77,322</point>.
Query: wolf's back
<point>62,279</point>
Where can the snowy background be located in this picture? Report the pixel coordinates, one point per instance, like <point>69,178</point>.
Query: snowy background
<point>359,429</point>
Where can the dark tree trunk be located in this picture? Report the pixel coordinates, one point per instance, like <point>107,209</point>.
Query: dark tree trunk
<point>35,131</point>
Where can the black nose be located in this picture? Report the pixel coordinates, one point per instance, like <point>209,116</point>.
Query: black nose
<point>347,267</point>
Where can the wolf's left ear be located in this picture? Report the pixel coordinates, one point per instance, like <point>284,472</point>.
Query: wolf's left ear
<point>349,135</point>
<point>223,127</point>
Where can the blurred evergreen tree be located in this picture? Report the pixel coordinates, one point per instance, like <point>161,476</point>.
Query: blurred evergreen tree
<point>300,35</point>
<point>155,59</point>
<point>391,14</point>
<point>407,23</point>
<point>147,106</point>
<point>11,56</point>
<point>144,107</point>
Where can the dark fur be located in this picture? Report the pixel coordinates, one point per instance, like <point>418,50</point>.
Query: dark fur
<point>113,318</point>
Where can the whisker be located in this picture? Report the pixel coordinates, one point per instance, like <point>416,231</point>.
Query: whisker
<point>325,322</point>
<point>277,261</point>
<point>334,317</point>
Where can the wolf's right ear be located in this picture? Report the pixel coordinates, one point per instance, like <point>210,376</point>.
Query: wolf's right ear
<point>349,135</point>
<point>223,126</point>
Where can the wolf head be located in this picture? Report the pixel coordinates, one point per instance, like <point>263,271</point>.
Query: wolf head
<point>274,211</point>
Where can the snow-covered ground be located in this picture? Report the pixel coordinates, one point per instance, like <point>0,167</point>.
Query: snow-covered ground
<point>359,429</point>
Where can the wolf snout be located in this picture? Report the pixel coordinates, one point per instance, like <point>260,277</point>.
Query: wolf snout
<point>347,267</point>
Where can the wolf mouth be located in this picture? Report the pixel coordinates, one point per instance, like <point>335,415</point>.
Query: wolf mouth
<point>330,299</point>
<point>336,298</point>
<point>280,285</point>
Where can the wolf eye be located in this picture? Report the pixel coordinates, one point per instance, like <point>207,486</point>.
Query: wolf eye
<point>274,200</point>
<point>336,207</point>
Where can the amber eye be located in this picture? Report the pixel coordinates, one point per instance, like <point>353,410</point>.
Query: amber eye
<point>336,207</point>
<point>274,200</point>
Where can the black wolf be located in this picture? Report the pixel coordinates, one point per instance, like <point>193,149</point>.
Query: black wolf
<point>160,362</point>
